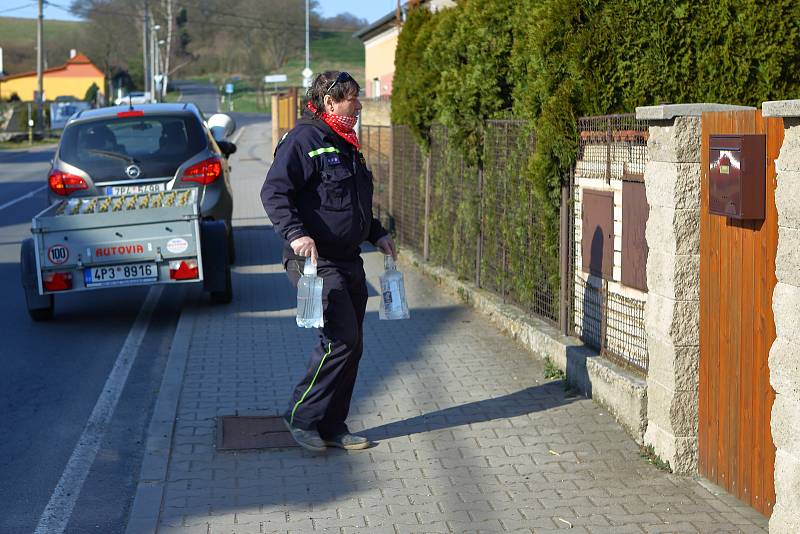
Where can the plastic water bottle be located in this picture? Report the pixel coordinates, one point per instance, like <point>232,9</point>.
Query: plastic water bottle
<point>393,293</point>
<point>309,297</point>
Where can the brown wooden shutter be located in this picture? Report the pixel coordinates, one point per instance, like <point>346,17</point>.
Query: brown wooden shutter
<point>635,212</point>
<point>597,241</point>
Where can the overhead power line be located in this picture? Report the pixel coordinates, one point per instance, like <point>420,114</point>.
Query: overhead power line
<point>23,6</point>
<point>260,25</point>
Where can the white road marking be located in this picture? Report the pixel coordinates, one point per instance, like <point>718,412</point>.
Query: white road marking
<point>58,511</point>
<point>238,134</point>
<point>20,199</point>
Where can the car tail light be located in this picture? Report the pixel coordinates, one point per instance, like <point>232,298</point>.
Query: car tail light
<point>205,172</point>
<point>183,270</point>
<point>62,183</point>
<point>57,281</point>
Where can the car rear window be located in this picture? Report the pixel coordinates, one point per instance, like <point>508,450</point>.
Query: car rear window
<point>158,145</point>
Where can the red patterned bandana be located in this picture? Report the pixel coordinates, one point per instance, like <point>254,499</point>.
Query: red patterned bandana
<point>341,124</point>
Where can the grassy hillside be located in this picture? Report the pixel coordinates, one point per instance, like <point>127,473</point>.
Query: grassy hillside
<point>329,51</point>
<point>18,40</point>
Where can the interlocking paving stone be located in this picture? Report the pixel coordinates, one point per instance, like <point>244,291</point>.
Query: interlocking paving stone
<point>463,420</point>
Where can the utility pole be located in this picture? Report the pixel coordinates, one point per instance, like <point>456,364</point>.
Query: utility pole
<point>39,64</point>
<point>307,71</point>
<point>145,38</point>
<point>153,60</point>
<point>307,51</point>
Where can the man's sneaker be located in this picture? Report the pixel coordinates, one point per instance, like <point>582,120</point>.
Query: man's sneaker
<point>308,439</point>
<point>348,441</point>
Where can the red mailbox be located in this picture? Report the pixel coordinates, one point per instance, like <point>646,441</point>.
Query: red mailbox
<point>737,175</point>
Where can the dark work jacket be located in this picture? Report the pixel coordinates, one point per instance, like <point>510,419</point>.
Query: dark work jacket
<point>319,186</point>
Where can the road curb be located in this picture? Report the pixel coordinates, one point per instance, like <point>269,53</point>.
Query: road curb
<point>146,508</point>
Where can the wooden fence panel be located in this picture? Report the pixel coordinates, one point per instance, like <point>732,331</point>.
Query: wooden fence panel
<point>737,328</point>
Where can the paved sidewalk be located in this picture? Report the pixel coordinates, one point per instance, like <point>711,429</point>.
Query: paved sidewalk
<point>470,436</point>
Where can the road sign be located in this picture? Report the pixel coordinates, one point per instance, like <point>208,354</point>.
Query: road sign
<point>275,78</point>
<point>229,88</point>
<point>307,73</point>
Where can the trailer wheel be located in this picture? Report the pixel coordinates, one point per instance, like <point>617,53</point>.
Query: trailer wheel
<point>40,307</point>
<point>226,295</point>
<point>43,314</point>
<point>231,247</point>
<point>216,267</point>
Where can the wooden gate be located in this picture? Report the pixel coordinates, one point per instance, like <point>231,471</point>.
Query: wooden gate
<point>737,278</point>
<point>284,114</point>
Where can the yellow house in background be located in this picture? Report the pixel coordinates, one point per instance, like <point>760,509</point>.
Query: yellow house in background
<point>380,43</point>
<point>73,78</point>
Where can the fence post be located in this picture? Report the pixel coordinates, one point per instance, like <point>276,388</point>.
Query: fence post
<point>565,244</point>
<point>608,151</point>
<point>426,238</point>
<point>479,251</point>
<point>392,150</point>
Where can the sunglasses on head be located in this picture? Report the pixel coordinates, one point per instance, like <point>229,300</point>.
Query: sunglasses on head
<point>341,78</point>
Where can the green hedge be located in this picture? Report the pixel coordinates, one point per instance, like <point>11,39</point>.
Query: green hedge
<point>551,61</point>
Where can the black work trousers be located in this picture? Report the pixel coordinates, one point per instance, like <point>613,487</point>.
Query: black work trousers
<point>321,400</point>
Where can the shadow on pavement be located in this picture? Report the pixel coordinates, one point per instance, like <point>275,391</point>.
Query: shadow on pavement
<point>526,401</point>
<point>251,241</point>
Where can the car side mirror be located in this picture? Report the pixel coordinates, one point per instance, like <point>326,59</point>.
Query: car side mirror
<point>221,126</point>
<point>227,147</point>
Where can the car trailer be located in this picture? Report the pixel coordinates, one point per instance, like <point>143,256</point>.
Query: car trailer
<point>89,243</point>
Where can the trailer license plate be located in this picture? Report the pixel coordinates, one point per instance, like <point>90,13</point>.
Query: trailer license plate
<point>112,275</point>
<point>117,190</point>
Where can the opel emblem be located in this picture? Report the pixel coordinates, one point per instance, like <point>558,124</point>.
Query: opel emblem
<point>133,171</point>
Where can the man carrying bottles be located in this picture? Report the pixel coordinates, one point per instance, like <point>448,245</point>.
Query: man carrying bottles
<point>318,195</point>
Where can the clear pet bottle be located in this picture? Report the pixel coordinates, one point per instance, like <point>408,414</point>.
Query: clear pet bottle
<point>309,297</point>
<point>393,293</point>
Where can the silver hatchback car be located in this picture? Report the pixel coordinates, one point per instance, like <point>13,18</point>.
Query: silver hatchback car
<point>147,148</point>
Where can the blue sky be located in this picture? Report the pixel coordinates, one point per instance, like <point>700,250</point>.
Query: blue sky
<point>367,9</point>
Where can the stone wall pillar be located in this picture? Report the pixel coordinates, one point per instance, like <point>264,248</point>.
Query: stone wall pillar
<point>672,312</point>
<point>784,356</point>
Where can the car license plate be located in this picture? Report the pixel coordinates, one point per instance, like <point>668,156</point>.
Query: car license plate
<point>112,275</point>
<point>134,189</point>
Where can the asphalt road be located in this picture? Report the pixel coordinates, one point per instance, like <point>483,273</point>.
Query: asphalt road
<point>204,96</point>
<point>54,372</point>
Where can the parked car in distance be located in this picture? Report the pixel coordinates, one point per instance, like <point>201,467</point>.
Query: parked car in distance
<point>133,98</point>
<point>140,149</point>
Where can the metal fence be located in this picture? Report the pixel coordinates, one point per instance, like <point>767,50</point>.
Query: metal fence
<point>482,224</point>
<point>612,147</point>
<point>376,144</point>
<point>485,224</point>
<point>454,224</point>
<point>407,189</point>
<point>514,259</point>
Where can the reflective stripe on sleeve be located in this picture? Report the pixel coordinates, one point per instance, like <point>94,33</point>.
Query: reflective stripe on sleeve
<point>324,150</point>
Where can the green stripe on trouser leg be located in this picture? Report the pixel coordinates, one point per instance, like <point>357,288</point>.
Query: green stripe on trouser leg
<point>311,385</point>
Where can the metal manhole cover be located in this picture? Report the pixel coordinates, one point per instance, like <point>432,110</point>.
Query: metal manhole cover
<point>246,432</point>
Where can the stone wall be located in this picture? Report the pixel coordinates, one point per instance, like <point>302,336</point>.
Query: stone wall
<point>672,312</point>
<point>376,112</point>
<point>784,356</point>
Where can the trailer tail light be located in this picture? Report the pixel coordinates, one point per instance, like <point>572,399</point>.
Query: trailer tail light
<point>183,270</point>
<point>57,281</point>
<point>63,183</point>
<point>205,172</point>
